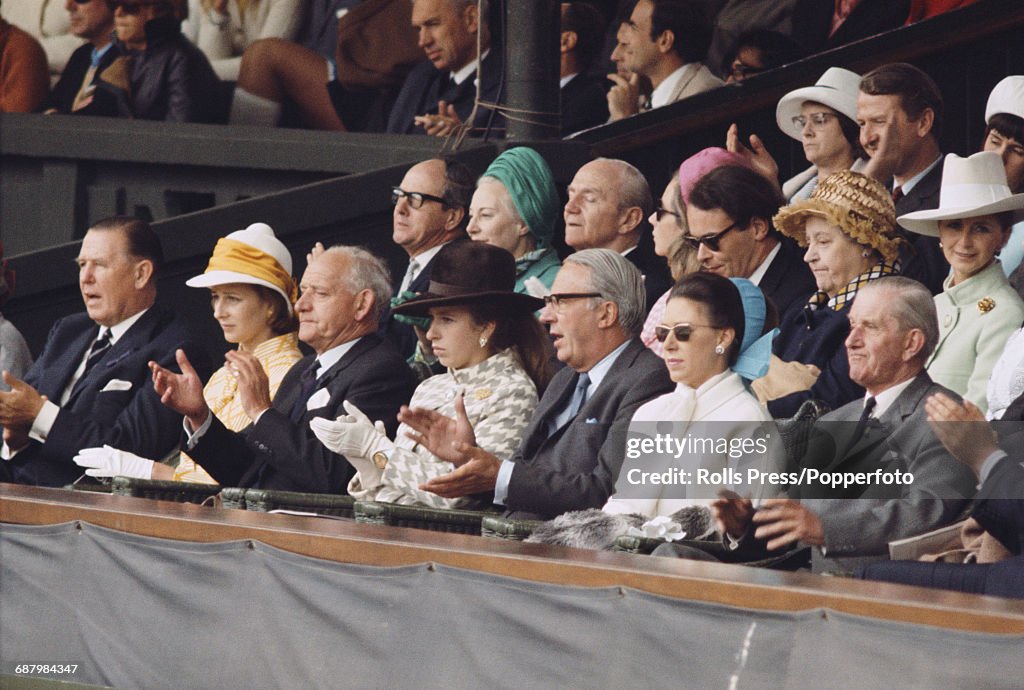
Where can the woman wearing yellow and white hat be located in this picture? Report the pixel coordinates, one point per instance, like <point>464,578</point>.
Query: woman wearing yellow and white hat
<point>253,294</point>
<point>978,309</point>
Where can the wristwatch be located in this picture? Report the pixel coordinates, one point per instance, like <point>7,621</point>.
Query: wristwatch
<point>380,459</point>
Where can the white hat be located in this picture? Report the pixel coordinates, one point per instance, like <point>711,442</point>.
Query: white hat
<point>253,256</point>
<point>974,186</point>
<point>1007,97</point>
<point>837,88</point>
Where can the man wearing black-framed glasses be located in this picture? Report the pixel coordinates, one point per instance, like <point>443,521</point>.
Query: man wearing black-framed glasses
<point>729,215</point>
<point>430,210</point>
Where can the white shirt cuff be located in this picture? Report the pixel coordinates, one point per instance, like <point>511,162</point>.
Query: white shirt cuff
<point>502,482</point>
<point>44,421</point>
<point>194,436</point>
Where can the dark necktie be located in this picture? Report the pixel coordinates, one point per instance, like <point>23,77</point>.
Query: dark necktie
<point>579,396</point>
<point>862,423</point>
<point>308,380</point>
<point>96,352</point>
<point>897,194</point>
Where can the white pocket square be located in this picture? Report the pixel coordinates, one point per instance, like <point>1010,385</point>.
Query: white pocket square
<point>318,399</point>
<point>117,385</point>
<point>592,420</point>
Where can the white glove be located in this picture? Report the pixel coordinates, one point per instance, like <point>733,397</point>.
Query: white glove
<point>352,435</point>
<point>111,462</point>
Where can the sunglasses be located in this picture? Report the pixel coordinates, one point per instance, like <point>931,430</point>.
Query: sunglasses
<point>129,7</point>
<point>712,242</point>
<point>661,212</point>
<point>681,331</point>
<point>415,199</point>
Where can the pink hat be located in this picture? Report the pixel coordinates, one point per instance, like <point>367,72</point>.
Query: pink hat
<point>701,163</point>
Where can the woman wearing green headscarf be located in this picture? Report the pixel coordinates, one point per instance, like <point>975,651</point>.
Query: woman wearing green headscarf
<point>515,207</point>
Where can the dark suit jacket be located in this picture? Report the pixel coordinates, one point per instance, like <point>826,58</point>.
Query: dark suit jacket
<point>923,260</point>
<point>132,419</point>
<point>813,18</point>
<point>426,85</point>
<point>1000,502</point>
<point>584,104</point>
<point>576,467</point>
<point>276,453</point>
<point>62,97</point>
<point>788,282</point>
<point>657,279</point>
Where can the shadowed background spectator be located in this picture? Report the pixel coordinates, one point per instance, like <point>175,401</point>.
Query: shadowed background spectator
<point>75,91</point>
<point>24,82</point>
<point>758,51</point>
<point>14,354</point>
<point>47,22</point>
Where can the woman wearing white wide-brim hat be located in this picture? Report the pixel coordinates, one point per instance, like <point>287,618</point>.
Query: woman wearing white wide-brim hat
<point>822,117</point>
<point>978,309</point>
<point>252,294</point>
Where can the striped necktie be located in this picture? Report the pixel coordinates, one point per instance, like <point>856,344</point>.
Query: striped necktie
<point>96,352</point>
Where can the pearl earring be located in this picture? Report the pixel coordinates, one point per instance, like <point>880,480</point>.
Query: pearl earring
<point>719,350</point>
<point>483,341</point>
<point>865,253</point>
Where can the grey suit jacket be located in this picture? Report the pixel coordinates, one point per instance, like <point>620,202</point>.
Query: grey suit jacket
<point>576,467</point>
<point>696,79</point>
<point>857,530</point>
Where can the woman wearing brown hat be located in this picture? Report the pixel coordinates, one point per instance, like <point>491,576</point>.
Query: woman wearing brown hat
<point>848,226</point>
<point>494,350</point>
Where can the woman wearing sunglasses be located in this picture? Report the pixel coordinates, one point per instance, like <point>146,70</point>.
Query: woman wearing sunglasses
<point>717,335</point>
<point>487,337</point>
<point>670,230</point>
<point>158,74</point>
<point>515,207</point>
<point>848,227</point>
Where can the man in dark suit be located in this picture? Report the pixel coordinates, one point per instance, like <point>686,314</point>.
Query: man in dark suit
<point>73,93</point>
<point>609,201</point>
<point>729,214</point>
<point>893,330</point>
<point>438,95</point>
<point>583,100</point>
<point>575,443</point>
<point>90,386</point>
<point>899,109</point>
<point>343,290</point>
<point>430,211</point>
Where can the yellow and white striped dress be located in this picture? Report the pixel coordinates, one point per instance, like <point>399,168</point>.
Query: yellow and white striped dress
<point>277,356</point>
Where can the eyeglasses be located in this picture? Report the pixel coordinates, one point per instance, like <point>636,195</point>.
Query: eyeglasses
<point>709,241</point>
<point>661,212</point>
<point>129,7</point>
<point>818,120</point>
<point>555,300</point>
<point>681,331</point>
<point>415,199</point>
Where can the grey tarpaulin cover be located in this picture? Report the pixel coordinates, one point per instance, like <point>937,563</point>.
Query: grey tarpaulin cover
<point>151,613</point>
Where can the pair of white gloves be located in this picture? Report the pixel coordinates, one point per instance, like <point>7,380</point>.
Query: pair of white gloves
<point>352,435</point>
<point>357,438</point>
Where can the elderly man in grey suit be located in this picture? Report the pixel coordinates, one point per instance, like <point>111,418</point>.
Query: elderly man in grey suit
<point>573,448</point>
<point>893,329</point>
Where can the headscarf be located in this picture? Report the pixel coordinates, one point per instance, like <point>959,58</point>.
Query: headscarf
<point>756,349</point>
<point>531,186</point>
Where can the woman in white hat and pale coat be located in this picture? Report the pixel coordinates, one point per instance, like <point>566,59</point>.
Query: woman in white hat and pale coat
<point>1004,134</point>
<point>253,294</point>
<point>978,309</point>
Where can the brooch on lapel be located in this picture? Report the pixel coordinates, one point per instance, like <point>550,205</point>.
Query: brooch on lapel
<point>482,393</point>
<point>986,304</point>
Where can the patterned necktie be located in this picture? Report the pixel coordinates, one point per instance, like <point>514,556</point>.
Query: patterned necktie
<point>96,352</point>
<point>308,379</point>
<point>897,194</point>
<point>862,423</point>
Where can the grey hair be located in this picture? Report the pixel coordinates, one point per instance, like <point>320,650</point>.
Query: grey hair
<point>368,272</point>
<point>461,5</point>
<point>633,189</point>
<point>504,199</point>
<point>913,307</point>
<point>618,281</point>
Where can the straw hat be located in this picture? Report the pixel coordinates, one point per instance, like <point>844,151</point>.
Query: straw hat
<point>1007,97</point>
<point>973,186</point>
<point>468,272</point>
<point>253,256</point>
<point>837,88</point>
<point>860,206</point>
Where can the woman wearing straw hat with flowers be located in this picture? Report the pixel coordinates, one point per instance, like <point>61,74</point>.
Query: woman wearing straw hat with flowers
<point>494,349</point>
<point>252,294</point>
<point>978,309</point>
<point>848,226</point>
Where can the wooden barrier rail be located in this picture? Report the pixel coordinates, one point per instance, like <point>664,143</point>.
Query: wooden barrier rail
<point>349,542</point>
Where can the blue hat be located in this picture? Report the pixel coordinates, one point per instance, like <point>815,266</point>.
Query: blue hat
<point>756,349</point>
